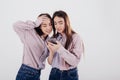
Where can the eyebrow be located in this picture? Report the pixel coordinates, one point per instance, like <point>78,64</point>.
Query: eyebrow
<point>44,24</point>
<point>60,21</point>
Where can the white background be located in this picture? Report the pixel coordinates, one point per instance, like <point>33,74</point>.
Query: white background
<point>97,21</point>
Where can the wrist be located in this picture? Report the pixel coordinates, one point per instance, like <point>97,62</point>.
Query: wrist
<point>37,23</point>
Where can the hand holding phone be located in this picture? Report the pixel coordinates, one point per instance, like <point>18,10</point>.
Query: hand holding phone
<point>52,40</point>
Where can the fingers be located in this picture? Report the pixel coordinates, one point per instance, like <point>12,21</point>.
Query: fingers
<point>50,43</point>
<point>57,42</point>
<point>43,18</point>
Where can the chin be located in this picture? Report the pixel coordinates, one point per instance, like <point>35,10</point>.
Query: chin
<point>59,32</point>
<point>47,33</point>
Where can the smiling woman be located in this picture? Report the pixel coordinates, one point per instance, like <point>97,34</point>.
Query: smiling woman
<point>34,36</point>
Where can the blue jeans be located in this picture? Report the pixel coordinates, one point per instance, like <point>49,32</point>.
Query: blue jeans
<point>28,73</point>
<point>57,74</point>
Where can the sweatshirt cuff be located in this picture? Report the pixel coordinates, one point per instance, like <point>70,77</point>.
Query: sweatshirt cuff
<point>37,23</point>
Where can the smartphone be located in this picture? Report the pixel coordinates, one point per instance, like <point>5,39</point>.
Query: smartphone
<point>52,40</point>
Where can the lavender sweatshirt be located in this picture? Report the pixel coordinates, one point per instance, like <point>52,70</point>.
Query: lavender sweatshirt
<point>67,59</point>
<point>35,50</point>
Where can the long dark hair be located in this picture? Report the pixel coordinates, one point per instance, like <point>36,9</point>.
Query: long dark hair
<point>68,31</point>
<point>37,29</point>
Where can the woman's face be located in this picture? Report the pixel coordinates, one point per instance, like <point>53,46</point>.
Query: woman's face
<point>59,24</point>
<point>46,26</point>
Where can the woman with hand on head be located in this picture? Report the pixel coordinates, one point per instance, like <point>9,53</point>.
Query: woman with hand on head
<point>65,55</point>
<point>33,36</point>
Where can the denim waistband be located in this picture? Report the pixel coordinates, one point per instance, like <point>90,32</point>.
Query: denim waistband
<point>26,67</point>
<point>58,70</point>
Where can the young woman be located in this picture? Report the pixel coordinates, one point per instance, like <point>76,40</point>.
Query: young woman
<point>65,55</point>
<point>34,36</point>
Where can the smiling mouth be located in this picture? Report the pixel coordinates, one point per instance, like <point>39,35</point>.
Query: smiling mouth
<point>59,30</point>
<point>48,31</point>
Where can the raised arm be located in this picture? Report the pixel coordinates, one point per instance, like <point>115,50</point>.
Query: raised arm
<point>21,27</point>
<point>51,54</point>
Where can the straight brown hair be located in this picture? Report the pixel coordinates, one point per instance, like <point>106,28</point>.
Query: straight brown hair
<point>68,31</point>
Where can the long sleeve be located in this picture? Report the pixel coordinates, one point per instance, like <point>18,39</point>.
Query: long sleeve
<point>21,27</point>
<point>72,56</point>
